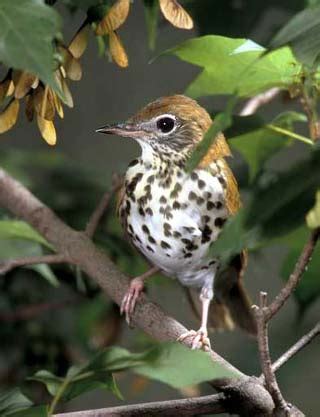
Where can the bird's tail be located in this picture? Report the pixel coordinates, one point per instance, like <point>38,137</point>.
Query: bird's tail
<point>231,305</point>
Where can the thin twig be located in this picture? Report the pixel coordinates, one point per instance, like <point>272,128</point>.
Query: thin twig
<point>294,278</point>
<point>6,266</point>
<point>102,207</point>
<point>297,347</point>
<point>211,404</point>
<point>264,351</point>
<point>31,311</point>
<point>259,100</point>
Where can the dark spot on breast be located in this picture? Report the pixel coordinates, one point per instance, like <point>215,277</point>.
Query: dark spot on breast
<point>177,188</point>
<point>130,228</point>
<point>150,248</point>
<point>207,195</point>
<point>150,179</point>
<point>191,247</point>
<point>188,255</point>
<point>212,263</point>
<point>176,205</point>
<point>206,234</point>
<point>189,229</point>
<point>145,229</point>
<point>167,233</point>
<point>165,245</point>
<point>161,210</point>
<point>166,226</point>
<point>205,219</point>
<point>201,184</point>
<point>218,205</point>
<point>151,240</point>
<point>200,201</point>
<point>194,176</point>
<point>219,221</point>
<point>162,199</point>
<point>222,181</point>
<point>133,163</point>
<point>149,211</point>
<point>147,188</point>
<point>141,212</point>
<point>177,235</point>
<point>210,205</point>
<point>192,196</point>
<point>186,241</point>
<point>137,238</point>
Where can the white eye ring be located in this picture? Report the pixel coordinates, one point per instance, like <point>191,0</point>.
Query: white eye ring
<point>166,123</point>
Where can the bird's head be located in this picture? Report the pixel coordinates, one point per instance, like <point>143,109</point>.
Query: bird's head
<point>173,125</point>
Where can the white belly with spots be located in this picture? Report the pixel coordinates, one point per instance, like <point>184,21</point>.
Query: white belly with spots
<point>173,226</point>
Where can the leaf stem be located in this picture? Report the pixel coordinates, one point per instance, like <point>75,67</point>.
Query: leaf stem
<point>58,395</point>
<point>291,134</point>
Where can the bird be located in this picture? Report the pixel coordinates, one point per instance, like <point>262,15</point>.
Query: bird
<point>172,216</point>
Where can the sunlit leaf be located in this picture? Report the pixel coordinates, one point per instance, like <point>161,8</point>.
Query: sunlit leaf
<point>115,17</point>
<point>79,42</point>
<point>9,116</point>
<point>6,88</point>
<point>58,105</point>
<point>226,70</point>
<point>313,216</point>
<point>176,14</point>
<point>47,130</point>
<point>117,50</point>
<point>43,103</point>
<point>71,65</point>
<point>24,83</point>
<point>29,28</point>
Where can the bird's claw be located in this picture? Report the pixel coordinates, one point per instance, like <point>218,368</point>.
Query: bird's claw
<point>130,298</point>
<point>199,339</point>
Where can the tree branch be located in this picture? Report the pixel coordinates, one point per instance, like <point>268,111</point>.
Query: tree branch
<point>211,404</point>
<point>295,277</point>
<point>264,351</point>
<point>259,100</point>
<point>6,266</point>
<point>102,206</point>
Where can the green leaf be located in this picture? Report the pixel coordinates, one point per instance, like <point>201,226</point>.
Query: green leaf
<point>36,411</point>
<point>27,30</point>
<point>302,33</point>
<point>236,65</point>
<point>151,12</point>
<point>221,122</point>
<point>313,217</point>
<point>16,229</point>
<point>171,364</point>
<point>13,401</point>
<point>259,145</point>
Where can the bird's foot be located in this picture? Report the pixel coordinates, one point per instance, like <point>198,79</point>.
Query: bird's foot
<point>198,338</point>
<point>130,298</point>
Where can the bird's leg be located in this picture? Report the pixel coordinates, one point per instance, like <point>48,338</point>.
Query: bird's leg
<point>135,288</point>
<point>200,338</point>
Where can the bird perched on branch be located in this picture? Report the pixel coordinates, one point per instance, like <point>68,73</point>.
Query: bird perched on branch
<point>173,216</point>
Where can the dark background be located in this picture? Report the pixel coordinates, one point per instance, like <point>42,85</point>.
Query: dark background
<point>107,93</point>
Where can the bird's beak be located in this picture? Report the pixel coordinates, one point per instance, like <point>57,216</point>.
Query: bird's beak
<point>122,129</point>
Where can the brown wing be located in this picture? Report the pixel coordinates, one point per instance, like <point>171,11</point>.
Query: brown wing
<point>231,305</point>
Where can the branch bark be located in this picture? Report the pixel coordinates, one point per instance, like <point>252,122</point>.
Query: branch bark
<point>259,100</point>
<point>211,404</point>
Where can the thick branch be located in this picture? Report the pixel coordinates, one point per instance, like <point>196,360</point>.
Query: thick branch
<point>211,404</point>
<point>6,266</point>
<point>294,278</point>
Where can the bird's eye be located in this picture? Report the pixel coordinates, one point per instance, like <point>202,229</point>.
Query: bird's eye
<point>165,124</point>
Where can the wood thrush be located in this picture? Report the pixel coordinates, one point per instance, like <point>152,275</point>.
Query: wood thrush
<point>172,216</point>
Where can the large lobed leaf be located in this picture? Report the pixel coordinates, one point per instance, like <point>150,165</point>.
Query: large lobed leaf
<point>27,32</point>
<point>239,65</point>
